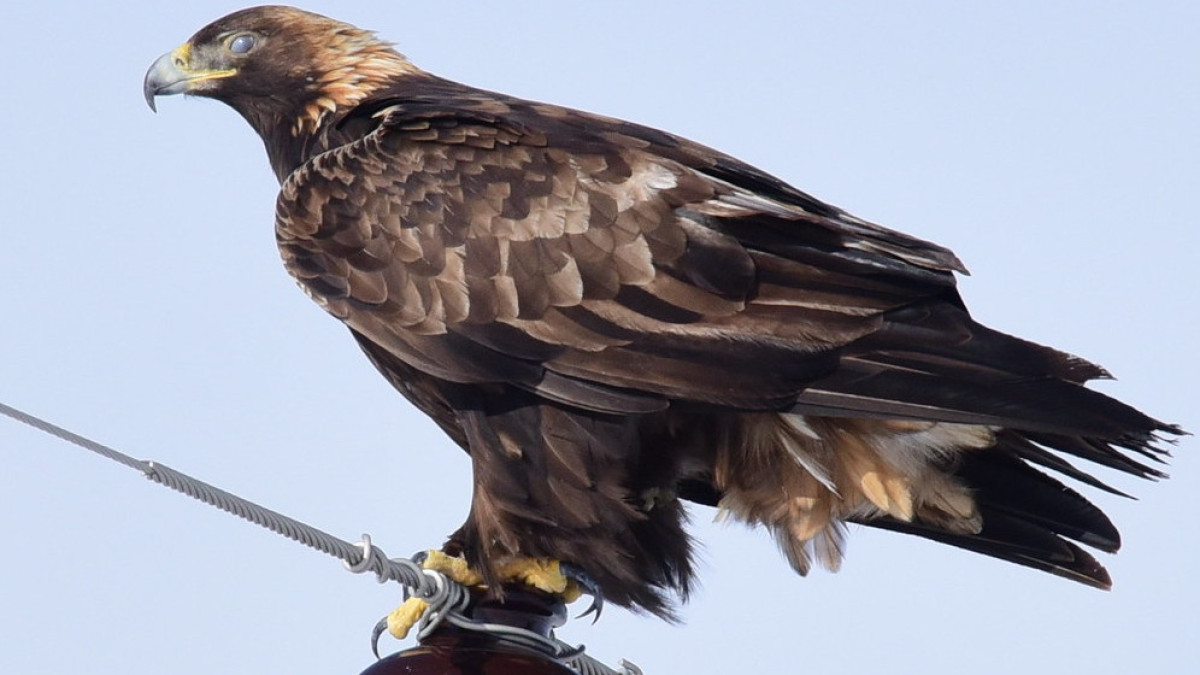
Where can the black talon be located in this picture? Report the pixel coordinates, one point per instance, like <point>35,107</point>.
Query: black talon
<point>589,586</point>
<point>376,633</point>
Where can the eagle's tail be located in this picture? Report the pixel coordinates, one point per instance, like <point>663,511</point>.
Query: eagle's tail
<point>1026,516</point>
<point>971,486</point>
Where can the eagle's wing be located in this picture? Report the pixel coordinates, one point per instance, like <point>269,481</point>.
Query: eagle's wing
<point>613,267</point>
<point>590,265</point>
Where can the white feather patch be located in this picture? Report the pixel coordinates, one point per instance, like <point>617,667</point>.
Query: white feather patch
<point>792,433</point>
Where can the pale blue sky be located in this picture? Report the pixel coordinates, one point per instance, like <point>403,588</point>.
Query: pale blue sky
<point>1054,148</point>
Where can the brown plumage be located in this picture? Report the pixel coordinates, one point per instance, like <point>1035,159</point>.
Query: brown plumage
<point>611,319</point>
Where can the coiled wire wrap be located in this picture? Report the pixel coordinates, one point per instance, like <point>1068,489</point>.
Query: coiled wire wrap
<point>447,599</point>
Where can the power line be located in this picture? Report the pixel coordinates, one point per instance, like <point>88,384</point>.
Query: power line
<point>446,598</point>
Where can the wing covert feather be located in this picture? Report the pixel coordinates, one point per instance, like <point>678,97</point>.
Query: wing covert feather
<point>583,260</point>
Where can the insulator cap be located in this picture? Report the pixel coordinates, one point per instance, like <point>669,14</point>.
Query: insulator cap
<point>454,651</point>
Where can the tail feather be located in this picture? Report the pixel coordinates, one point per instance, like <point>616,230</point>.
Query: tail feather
<point>1003,483</point>
<point>1099,451</point>
<point>1026,516</point>
<point>1010,538</point>
<point>1029,451</point>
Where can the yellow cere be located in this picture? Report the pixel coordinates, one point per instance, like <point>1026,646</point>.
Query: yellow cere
<point>181,58</point>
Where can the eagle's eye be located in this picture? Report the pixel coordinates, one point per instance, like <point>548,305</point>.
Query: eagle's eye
<point>241,44</point>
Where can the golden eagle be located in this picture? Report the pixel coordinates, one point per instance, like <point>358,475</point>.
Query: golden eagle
<point>611,320</point>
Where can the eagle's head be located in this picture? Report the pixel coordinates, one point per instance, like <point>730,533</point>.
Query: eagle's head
<point>285,70</point>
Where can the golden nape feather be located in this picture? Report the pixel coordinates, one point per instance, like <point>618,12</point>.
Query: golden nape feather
<point>354,63</point>
<point>612,320</point>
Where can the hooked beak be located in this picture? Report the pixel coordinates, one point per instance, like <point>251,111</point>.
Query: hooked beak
<point>172,74</point>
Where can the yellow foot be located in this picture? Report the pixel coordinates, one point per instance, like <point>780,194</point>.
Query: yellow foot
<point>540,573</point>
<point>453,567</point>
<point>404,617</point>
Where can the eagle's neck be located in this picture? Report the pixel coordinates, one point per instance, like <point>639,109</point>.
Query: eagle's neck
<point>352,67</point>
<point>286,151</point>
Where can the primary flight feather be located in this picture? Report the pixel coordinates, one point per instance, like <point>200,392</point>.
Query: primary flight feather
<point>611,319</point>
